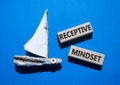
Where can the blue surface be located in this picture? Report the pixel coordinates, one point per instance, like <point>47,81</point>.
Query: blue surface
<point>19,20</point>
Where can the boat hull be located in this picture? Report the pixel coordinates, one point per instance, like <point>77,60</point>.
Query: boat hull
<point>35,61</point>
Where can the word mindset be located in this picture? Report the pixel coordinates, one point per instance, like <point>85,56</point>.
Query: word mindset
<point>86,55</point>
<point>75,32</point>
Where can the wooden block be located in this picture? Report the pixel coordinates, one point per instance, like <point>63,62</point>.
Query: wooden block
<point>75,32</point>
<point>86,55</point>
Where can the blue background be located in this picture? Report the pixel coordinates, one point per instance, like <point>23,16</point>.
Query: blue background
<point>19,20</point>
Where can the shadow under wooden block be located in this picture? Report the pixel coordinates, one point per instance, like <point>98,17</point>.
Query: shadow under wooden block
<point>35,69</point>
<point>84,63</point>
<point>75,41</point>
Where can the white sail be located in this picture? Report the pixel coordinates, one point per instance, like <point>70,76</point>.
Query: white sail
<point>38,44</point>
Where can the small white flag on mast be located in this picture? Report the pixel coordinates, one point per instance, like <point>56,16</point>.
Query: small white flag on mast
<point>38,44</point>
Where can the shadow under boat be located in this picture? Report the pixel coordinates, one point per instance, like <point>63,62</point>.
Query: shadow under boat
<point>35,69</point>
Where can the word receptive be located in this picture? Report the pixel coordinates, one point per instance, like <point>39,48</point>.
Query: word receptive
<point>86,55</point>
<point>75,32</point>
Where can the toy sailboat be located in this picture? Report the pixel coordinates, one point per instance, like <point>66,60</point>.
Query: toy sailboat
<point>37,45</point>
